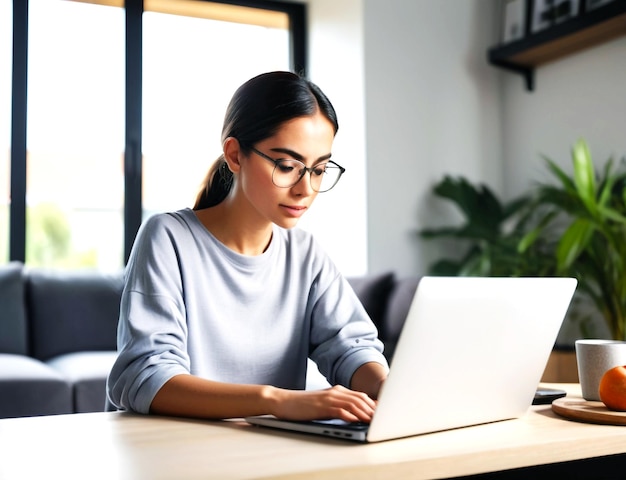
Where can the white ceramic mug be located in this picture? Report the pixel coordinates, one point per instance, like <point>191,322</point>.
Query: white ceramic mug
<point>594,357</point>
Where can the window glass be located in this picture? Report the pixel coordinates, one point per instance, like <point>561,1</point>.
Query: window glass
<point>6,42</point>
<point>75,184</point>
<point>189,75</point>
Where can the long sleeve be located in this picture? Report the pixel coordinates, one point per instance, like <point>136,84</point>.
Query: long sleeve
<point>152,332</point>
<point>191,305</point>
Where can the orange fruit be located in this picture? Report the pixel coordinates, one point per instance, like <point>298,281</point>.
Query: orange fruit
<point>612,388</point>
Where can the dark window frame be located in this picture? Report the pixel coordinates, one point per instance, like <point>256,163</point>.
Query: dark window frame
<point>296,13</point>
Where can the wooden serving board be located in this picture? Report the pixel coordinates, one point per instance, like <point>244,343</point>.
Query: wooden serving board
<point>587,411</point>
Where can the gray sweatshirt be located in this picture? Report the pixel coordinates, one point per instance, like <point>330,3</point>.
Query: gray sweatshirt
<point>192,305</point>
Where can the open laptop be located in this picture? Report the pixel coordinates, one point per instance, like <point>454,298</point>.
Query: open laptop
<point>472,351</point>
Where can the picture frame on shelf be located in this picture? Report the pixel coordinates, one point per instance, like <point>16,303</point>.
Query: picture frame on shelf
<point>593,4</point>
<point>547,13</point>
<point>514,20</point>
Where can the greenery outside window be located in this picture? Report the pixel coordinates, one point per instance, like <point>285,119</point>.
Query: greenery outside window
<point>75,139</point>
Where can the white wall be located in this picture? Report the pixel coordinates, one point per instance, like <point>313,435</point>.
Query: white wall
<point>580,96</point>
<point>432,108</point>
<point>339,217</point>
<point>416,100</point>
<point>432,105</point>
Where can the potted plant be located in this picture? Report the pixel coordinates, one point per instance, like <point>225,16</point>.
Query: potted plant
<point>490,234</point>
<point>587,213</point>
<point>576,227</point>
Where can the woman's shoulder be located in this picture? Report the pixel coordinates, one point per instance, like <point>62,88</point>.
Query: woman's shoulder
<point>164,221</point>
<point>163,234</point>
<point>167,227</point>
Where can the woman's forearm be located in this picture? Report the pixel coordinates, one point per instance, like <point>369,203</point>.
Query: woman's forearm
<point>191,396</point>
<point>369,378</point>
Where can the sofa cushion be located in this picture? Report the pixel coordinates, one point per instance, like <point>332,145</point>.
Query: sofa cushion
<point>13,333</point>
<point>72,311</point>
<point>87,372</point>
<point>29,387</point>
<point>373,292</point>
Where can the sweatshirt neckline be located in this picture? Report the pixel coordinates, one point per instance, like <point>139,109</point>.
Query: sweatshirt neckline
<point>235,257</point>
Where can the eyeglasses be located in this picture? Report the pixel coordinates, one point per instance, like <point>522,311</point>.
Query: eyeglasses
<point>288,172</point>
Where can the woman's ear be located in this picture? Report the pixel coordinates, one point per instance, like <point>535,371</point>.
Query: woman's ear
<point>232,152</point>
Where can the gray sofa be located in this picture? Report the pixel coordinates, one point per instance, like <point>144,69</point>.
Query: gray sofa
<point>57,339</point>
<point>58,334</point>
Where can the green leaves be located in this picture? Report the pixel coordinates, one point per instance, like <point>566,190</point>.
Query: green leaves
<point>589,213</point>
<point>483,211</point>
<point>584,176</point>
<point>573,227</point>
<point>573,243</point>
<point>490,233</point>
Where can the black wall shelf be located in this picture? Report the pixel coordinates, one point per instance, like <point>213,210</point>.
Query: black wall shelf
<point>583,31</point>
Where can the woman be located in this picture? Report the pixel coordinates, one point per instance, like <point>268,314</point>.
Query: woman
<point>224,303</point>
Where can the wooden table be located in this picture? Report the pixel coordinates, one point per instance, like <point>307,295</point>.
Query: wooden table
<point>127,446</point>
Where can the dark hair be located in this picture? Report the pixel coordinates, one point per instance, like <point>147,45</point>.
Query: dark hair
<point>257,110</point>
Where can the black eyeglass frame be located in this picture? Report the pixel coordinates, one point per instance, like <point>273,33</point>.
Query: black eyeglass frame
<point>303,170</point>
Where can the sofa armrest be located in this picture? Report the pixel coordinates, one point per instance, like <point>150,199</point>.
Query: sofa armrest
<point>13,327</point>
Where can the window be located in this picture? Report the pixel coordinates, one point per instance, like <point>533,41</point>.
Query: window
<point>119,92</point>
<point>6,34</point>
<point>188,78</point>
<point>75,135</point>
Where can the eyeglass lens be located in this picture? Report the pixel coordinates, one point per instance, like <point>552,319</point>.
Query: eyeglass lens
<point>323,176</point>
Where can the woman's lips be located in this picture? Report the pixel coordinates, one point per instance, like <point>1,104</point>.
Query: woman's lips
<point>294,210</point>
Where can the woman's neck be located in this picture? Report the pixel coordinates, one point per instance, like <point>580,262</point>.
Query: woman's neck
<point>237,231</point>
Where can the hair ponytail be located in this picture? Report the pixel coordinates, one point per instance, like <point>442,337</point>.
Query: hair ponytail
<point>257,110</point>
<point>215,186</point>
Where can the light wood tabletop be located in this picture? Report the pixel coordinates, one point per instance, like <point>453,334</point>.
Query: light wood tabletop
<point>118,445</point>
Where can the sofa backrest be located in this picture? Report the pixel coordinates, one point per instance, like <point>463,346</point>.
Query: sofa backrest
<point>71,311</point>
<point>373,292</point>
<point>398,305</point>
<point>13,326</point>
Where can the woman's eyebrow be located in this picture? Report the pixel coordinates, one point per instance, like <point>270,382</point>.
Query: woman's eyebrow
<point>296,155</point>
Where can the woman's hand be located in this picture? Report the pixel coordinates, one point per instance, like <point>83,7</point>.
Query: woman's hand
<point>335,402</point>
<point>191,396</point>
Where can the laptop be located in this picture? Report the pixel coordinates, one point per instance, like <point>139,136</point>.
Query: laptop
<point>472,351</point>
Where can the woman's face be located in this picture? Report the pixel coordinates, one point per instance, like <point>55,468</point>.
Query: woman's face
<point>307,139</point>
